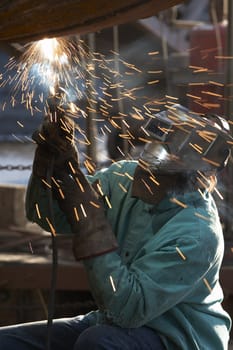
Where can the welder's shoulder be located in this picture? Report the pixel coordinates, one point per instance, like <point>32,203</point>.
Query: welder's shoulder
<point>120,168</point>
<point>201,217</point>
<point>108,178</point>
<point>123,167</point>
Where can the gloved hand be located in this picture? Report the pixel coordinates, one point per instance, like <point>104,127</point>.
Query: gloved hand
<point>55,140</point>
<point>93,235</point>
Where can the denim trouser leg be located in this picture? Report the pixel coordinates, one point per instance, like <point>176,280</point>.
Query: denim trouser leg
<point>33,336</point>
<point>106,337</point>
<point>76,334</point>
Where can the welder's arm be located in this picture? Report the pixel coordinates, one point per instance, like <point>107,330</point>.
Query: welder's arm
<point>93,235</point>
<point>55,148</point>
<point>74,196</point>
<point>133,295</point>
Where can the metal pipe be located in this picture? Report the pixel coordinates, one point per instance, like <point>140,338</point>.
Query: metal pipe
<point>229,68</point>
<point>118,89</point>
<point>91,127</point>
<point>229,114</point>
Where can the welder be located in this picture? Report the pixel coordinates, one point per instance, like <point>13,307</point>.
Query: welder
<point>148,233</point>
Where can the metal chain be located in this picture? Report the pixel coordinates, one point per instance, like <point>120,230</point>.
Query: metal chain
<point>20,167</point>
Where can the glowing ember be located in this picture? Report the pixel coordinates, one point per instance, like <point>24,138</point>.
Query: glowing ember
<point>52,229</point>
<point>180,253</point>
<point>70,65</point>
<point>112,284</point>
<point>207,284</point>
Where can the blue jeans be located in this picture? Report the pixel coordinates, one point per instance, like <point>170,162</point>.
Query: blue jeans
<point>76,334</point>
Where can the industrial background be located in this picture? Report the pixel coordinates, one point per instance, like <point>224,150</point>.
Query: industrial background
<point>165,52</point>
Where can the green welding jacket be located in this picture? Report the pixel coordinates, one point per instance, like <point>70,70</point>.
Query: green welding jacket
<point>165,274</point>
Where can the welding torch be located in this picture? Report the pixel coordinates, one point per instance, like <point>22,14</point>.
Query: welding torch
<point>81,200</point>
<point>55,147</point>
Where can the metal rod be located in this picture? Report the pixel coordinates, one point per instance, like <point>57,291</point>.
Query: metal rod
<point>118,89</point>
<point>91,128</point>
<point>229,68</point>
<point>229,115</point>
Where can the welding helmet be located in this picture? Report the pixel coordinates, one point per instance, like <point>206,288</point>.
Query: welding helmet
<point>180,141</point>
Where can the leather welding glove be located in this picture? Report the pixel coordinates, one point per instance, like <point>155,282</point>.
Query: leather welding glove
<point>55,140</point>
<point>83,208</point>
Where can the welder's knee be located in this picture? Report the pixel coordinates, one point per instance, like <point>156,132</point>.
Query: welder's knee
<point>10,341</point>
<point>96,338</point>
<point>109,337</point>
<point>19,337</point>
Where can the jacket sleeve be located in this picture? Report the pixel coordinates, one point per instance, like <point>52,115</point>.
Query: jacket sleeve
<point>38,208</point>
<point>132,296</point>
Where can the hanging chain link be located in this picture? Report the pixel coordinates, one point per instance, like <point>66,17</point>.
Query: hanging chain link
<point>20,167</point>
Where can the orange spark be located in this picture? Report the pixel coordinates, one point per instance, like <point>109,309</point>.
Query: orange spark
<point>46,183</point>
<point>112,283</point>
<point>122,187</point>
<point>53,231</point>
<point>38,211</point>
<point>202,216</point>
<point>207,284</point>
<point>76,213</point>
<point>180,253</point>
<point>83,210</point>
<point>176,201</point>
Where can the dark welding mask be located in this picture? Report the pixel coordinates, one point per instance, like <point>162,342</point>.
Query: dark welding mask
<point>180,141</point>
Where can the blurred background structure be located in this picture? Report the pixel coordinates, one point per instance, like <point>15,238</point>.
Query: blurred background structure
<point>165,52</point>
